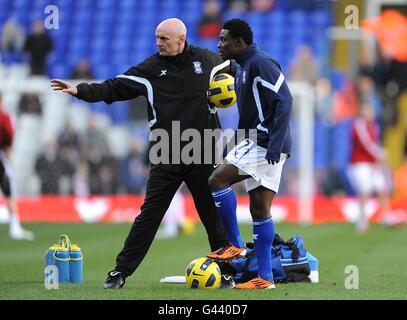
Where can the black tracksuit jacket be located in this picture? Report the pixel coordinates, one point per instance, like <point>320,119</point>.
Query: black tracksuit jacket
<point>175,88</point>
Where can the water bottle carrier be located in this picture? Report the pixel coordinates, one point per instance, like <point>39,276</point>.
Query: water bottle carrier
<point>68,259</point>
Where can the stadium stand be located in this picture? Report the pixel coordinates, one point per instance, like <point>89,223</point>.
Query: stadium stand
<point>114,35</point>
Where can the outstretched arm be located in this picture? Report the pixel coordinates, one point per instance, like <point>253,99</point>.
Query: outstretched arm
<point>60,85</point>
<point>123,87</point>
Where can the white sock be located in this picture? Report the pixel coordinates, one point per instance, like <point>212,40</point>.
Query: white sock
<point>14,223</point>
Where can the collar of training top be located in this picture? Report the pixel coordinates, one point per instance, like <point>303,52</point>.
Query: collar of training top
<point>246,53</point>
<point>179,57</point>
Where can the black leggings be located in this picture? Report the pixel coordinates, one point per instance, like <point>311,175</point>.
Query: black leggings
<point>4,180</point>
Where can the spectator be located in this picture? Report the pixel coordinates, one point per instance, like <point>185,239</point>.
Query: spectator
<point>30,103</point>
<point>50,168</point>
<point>12,41</point>
<point>262,5</point>
<point>38,45</point>
<point>80,181</point>
<point>16,231</point>
<point>210,24</point>
<point>94,136</point>
<point>368,66</point>
<point>324,100</point>
<point>70,145</point>
<point>368,93</point>
<point>304,67</point>
<point>69,138</point>
<point>93,157</point>
<point>109,178</point>
<point>345,102</point>
<point>109,182</point>
<point>238,7</point>
<point>82,71</point>
<point>367,165</point>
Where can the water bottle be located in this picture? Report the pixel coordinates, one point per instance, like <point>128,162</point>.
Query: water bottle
<point>61,257</point>
<point>58,256</point>
<point>49,255</point>
<point>75,264</point>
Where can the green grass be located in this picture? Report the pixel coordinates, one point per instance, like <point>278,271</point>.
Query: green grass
<point>381,257</point>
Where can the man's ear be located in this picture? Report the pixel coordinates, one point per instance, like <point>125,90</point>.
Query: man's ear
<point>239,42</point>
<point>182,38</point>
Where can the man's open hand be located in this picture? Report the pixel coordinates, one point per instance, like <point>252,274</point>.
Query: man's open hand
<point>57,84</point>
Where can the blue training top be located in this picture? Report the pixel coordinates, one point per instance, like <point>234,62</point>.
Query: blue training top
<point>264,101</point>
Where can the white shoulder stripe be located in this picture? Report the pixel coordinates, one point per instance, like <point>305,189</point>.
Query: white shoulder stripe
<point>256,95</point>
<point>217,68</point>
<point>275,87</point>
<point>214,70</point>
<point>150,97</point>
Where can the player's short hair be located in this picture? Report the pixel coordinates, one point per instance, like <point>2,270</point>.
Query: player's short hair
<point>239,28</point>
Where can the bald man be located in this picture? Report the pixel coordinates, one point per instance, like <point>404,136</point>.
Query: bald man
<point>175,81</point>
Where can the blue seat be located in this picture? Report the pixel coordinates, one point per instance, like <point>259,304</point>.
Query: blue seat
<point>106,5</point>
<point>59,71</point>
<point>103,71</point>
<point>321,143</point>
<point>191,5</point>
<point>121,66</point>
<point>172,8</point>
<point>74,58</point>
<point>127,3</point>
<point>254,17</point>
<point>100,107</point>
<point>64,5</point>
<point>338,79</point>
<point>342,142</point>
<point>23,20</point>
<point>98,57</point>
<point>104,16</point>
<point>121,44</point>
<point>5,4</point>
<point>78,51</point>
<point>321,18</point>
<point>208,43</point>
<point>4,15</point>
<point>229,14</point>
<point>22,5</point>
<point>120,58</point>
<point>297,17</point>
<point>120,112</point>
<point>275,17</point>
<point>84,4</point>
<point>147,7</point>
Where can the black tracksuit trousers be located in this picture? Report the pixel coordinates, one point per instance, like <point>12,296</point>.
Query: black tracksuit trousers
<point>163,182</point>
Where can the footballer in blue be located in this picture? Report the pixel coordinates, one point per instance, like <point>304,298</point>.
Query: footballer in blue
<point>264,102</point>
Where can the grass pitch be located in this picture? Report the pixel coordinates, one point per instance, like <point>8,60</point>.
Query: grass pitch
<point>381,257</point>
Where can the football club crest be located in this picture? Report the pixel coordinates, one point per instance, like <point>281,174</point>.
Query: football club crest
<point>198,67</point>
